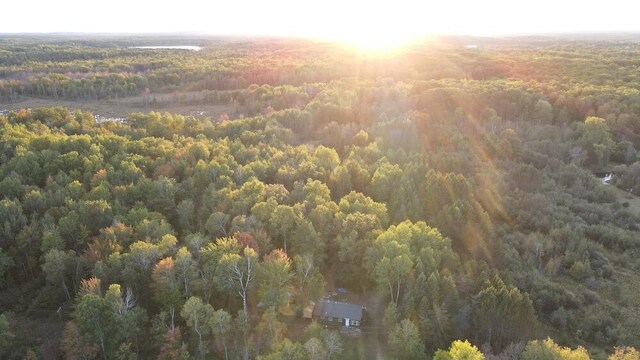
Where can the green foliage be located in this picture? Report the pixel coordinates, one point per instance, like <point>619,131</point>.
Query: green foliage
<point>548,349</point>
<point>624,353</point>
<point>459,350</point>
<point>199,317</point>
<point>275,277</point>
<point>405,342</point>
<point>221,327</point>
<point>5,264</point>
<point>503,314</point>
<point>286,350</point>
<point>419,180</point>
<point>595,137</point>
<point>109,321</point>
<point>6,335</point>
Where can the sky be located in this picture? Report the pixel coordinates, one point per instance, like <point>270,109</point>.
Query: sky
<point>328,19</point>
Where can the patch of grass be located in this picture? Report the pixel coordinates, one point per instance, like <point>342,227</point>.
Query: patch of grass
<point>122,107</point>
<point>367,345</point>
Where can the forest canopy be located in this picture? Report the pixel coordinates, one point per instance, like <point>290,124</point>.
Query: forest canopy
<point>454,191</point>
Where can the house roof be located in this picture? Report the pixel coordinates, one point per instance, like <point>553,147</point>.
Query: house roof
<point>343,310</point>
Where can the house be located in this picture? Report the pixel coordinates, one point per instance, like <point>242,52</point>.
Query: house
<point>336,312</point>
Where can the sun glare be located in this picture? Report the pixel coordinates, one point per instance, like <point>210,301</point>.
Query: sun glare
<point>375,42</point>
<point>373,26</point>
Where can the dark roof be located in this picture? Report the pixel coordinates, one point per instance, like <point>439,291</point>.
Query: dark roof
<point>336,309</point>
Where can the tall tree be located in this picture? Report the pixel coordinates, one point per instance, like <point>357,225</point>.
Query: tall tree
<point>186,270</point>
<point>269,331</point>
<point>282,222</point>
<point>502,314</point>
<point>56,266</point>
<point>236,273</point>
<point>221,327</point>
<point>594,136</point>
<point>109,321</point>
<point>390,274</point>
<point>405,342</point>
<point>275,278</point>
<point>307,278</point>
<point>199,317</point>
<point>166,287</point>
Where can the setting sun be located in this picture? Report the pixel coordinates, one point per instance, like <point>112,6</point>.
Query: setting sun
<point>376,42</point>
<point>378,27</point>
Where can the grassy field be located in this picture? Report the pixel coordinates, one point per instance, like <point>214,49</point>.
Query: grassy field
<point>367,345</point>
<point>123,107</point>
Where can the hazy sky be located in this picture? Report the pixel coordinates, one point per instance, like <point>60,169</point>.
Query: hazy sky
<point>324,18</point>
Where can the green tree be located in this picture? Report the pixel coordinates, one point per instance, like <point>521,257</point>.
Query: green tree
<point>459,350</point>
<point>186,270</point>
<point>308,280</point>
<point>542,112</point>
<point>217,224</point>
<point>56,266</point>
<point>315,349</point>
<point>166,287</point>
<point>13,221</point>
<point>6,335</point>
<point>199,317</point>
<point>390,274</point>
<point>5,264</point>
<point>549,350</point>
<point>340,181</point>
<point>385,181</point>
<point>625,353</point>
<point>186,215</point>
<point>109,321</point>
<point>282,222</point>
<point>275,277</point>
<point>502,314</point>
<point>286,350</point>
<point>595,137</point>
<point>332,343</point>
<point>269,331</point>
<point>236,273</point>
<point>221,327</point>
<point>405,342</point>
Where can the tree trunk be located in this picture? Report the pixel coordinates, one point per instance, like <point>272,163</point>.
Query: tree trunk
<point>244,301</point>
<point>104,353</point>
<point>199,340</point>
<point>391,291</point>
<point>172,313</point>
<point>285,243</point>
<point>245,354</point>
<point>66,290</point>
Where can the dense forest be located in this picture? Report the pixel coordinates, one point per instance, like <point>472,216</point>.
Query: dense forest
<point>453,187</point>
